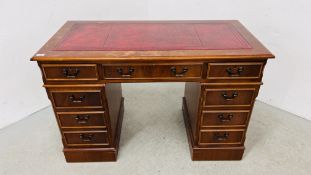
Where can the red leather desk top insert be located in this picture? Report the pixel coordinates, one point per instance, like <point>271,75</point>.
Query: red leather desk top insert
<point>152,36</point>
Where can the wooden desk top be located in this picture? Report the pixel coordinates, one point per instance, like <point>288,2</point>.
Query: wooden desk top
<point>151,41</point>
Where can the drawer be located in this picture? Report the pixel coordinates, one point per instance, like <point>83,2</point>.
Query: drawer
<point>214,137</point>
<point>234,70</point>
<point>92,119</point>
<point>70,72</point>
<point>77,99</point>
<point>153,71</point>
<point>80,138</point>
<point>242,97</point>
<point>224,118</point>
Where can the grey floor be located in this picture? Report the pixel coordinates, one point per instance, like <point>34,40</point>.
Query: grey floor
<point>153,141</point>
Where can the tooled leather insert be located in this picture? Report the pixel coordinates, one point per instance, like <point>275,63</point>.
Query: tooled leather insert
<point>151,36</point>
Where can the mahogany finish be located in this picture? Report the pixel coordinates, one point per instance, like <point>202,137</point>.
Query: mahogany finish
<point>84,63</point>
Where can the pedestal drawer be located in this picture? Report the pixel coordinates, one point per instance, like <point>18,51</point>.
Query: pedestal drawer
<point>226,118</point>
<point>153,71</point>
<point>91,119</point>
<point>80,138</point>
<point>224,97</point>
<point>76,99</point>
<point>224,137</point>
<point>70,72</point>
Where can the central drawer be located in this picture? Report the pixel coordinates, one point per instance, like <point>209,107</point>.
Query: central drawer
<point>153,71</point>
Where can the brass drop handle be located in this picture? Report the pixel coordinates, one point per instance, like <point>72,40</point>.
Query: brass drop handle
<point>70,72</point>
<point>224,118</point>
<point>221,137</point>
<point>74,99</point>
<point>82,119</point>
<point>227,97</point>
<point>235,71</point>
<point>126,75</point>
<point>179,74</point>
<point>86,137</point>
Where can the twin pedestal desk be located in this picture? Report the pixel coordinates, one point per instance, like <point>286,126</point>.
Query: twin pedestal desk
<point>85,62</point>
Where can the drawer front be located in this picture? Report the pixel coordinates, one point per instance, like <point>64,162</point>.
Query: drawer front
<point>70,72</point>
<point>149,71</point>
<point>80,138</point>
<point>229,97</point>
<point>215,137</point>
<point>76,99</point>
<point>224,118</point>
<point>93,119</point>
<point>234,70</point>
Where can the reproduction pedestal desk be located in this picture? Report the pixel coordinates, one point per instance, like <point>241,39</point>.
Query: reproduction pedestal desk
<point>85,62</point>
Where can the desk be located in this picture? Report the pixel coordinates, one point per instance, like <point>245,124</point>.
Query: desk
<point>85,62</point>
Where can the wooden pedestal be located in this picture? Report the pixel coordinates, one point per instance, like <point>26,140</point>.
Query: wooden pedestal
<point>197,153</point>
<point>97,154</point>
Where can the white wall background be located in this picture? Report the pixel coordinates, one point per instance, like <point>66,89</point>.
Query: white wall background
<point>283,26</point>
